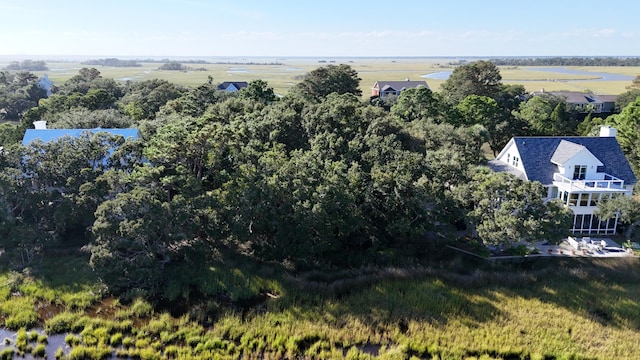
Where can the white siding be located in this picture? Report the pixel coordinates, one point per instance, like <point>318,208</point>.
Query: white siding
<point>584,157</point>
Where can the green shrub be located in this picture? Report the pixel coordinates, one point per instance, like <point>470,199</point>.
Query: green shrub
<point>7,353</point>
<point>122,353</point>
<point>116,339</point>
<point>134,353</point>
<point>88,336</point>
<point>32,336</point>
<point>127,342</point>
<point>141,308</point>
<point>39,351</point>
<point>171,351</point>
<point>102,334</point>
<point>79,301</point>
<point>125,325</point>
<point>65,322</point>
<point>142,343</point>
<point>158,325</point>
<point>59,355</point>
<point>43,339</point>
<point>21,340</point>
<point>149,354</point>
<point>92,353</point>
<point>72,340</point>
<point>21,320</point>
<point>77,353</point>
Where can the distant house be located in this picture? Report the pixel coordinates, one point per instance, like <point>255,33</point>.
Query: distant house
<point>580,171</point>
<point>394,88</point>
<point>232,86</point>
<point>585,103</point>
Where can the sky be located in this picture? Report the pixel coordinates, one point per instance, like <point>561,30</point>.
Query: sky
<point>327,28</point>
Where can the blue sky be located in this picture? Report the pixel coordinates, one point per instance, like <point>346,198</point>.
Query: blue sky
<point>319,28</point>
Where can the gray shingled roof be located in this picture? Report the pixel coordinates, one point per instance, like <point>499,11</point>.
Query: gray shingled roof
<point>536,154</point>
<point>238,85</point>
<point>499,166</point>
<point>401,85</point>
<point>565,151</point>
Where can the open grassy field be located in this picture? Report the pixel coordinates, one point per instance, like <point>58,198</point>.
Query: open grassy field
<point>287,72</point>
<point>579,309</point>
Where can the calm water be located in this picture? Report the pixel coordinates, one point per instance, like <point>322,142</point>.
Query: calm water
<point>444,75</point>
<point>54,342</point>
<point>600,76</point>
<point>440,75</point>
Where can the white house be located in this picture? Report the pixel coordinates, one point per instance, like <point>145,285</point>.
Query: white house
<point>581,171</point>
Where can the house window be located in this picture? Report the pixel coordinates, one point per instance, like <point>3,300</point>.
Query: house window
<point>594,199</point>
<point>554,192</point>
<point>515,161</point>
<point>584,199</point>
<point>573,200</point>
<point>577,222</point>
<point>579,172</point>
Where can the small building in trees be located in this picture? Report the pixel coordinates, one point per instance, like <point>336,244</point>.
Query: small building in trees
<point>585,102</point>
<point>580,171</point>
<point>232,86</point>
<point>394,88</point>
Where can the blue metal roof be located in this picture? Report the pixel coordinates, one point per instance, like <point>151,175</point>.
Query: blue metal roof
<point>536,154</point>
<point>48,135</point>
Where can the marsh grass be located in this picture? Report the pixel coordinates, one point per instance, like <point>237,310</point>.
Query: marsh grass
<point>283,77</point>
<point>561,309</point>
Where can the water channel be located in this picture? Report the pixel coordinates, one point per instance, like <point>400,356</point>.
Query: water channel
<point>597,76</point>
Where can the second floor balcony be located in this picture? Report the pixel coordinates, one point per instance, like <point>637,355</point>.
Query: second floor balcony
<point>608,182</point>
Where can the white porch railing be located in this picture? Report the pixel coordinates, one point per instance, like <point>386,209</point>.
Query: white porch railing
<point>609,182</point>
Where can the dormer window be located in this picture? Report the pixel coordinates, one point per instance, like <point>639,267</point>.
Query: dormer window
<point>579,172</point>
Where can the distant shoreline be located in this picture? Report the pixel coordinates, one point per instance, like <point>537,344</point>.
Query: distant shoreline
<point>218,59</point>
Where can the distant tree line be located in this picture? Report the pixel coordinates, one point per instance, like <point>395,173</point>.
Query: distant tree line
<point>113,62</point>
<point>568,61</point>
<point>27,65</point>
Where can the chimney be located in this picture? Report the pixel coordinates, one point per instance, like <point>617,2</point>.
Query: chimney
<point>607,131</point>
<point>40,125</point>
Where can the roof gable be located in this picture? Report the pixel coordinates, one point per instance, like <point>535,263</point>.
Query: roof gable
<point>232,85</point>
<point>400,85</point>
<point>567,150</point>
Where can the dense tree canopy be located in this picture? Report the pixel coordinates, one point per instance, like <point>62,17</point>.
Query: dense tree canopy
<point>317,178</point>
<point>626,208</point>
<point>505,209</point>
<point>319,83</point>
<point>481,78</point>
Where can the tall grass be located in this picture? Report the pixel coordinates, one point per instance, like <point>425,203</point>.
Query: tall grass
<point>283,78</point>
<point>571,309</point>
